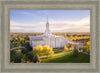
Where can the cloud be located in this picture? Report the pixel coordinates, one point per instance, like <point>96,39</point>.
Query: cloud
<point>82,25</point>
<point>27,13</point>
<point>67,26</point>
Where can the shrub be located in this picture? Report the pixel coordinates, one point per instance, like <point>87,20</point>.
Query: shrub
<point>75,52</point>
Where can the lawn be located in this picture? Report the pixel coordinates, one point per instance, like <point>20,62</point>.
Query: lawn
<point>59,52</point>
<point>67,58</point>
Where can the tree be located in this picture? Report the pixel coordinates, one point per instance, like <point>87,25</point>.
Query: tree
<point>24,51</point>
<point>72,47</point>
<point>86,47</point>
<point>12,55</point>
<point>28,46</point>
<point>23,59</point>
<point>47,50</point>
<point>11,45</point>
<point>37,51</point>
<point>30,56</point>
<point>69,45</point>
<point>75,52</point>
<point>18,57</point>
<point>18,51</point>
<point>36,59</point>
<point>51,52</point>
<point>65,48</point>
<point>33,58</point>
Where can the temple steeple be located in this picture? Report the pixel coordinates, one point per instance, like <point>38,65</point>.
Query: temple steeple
<point>47,31</point>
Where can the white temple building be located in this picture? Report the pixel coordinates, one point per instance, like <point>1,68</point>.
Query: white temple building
<point>47,38</point>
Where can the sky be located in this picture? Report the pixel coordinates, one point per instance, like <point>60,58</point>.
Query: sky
<point>59,20</point>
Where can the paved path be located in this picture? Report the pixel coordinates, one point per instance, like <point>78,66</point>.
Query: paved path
<point>56,54</point>
<point>16,48</point>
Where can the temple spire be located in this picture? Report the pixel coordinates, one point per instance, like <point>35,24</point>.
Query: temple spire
<point>47,31</point>
<point>47,18</point>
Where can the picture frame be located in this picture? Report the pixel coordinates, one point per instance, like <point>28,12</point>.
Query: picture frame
<point>7,5</point>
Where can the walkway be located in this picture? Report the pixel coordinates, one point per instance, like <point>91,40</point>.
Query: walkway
<point>16,48</point>
<point>56,54</point>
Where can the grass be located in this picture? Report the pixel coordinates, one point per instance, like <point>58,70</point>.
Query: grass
<point>67,58</point>
<point>55,49</point>
<point>59,52</point>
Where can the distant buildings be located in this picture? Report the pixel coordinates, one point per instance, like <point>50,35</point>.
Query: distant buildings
<point>48,39</point>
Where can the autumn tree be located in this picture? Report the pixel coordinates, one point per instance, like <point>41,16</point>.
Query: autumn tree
<point>70,46</point>
<point>47,50</point>
<point>86,47</point>
<point>37,50</point>
<point>66,48</point>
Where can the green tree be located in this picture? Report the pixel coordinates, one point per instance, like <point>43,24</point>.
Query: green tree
<point>11,45</point>
<point>23,59</point>
<point>75,52</point>
<point>24,51</point>
<point>33,58</point>
<point>18,57</point>
<point>30,56</point>
<point>12,55</point>
<point>36,59</point>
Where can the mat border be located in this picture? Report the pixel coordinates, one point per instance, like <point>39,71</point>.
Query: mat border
<point>5,6</point>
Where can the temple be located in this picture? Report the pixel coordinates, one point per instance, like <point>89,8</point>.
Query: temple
<point>47,38</point>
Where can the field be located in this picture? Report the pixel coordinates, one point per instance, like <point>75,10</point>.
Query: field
<point>22,52</point>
